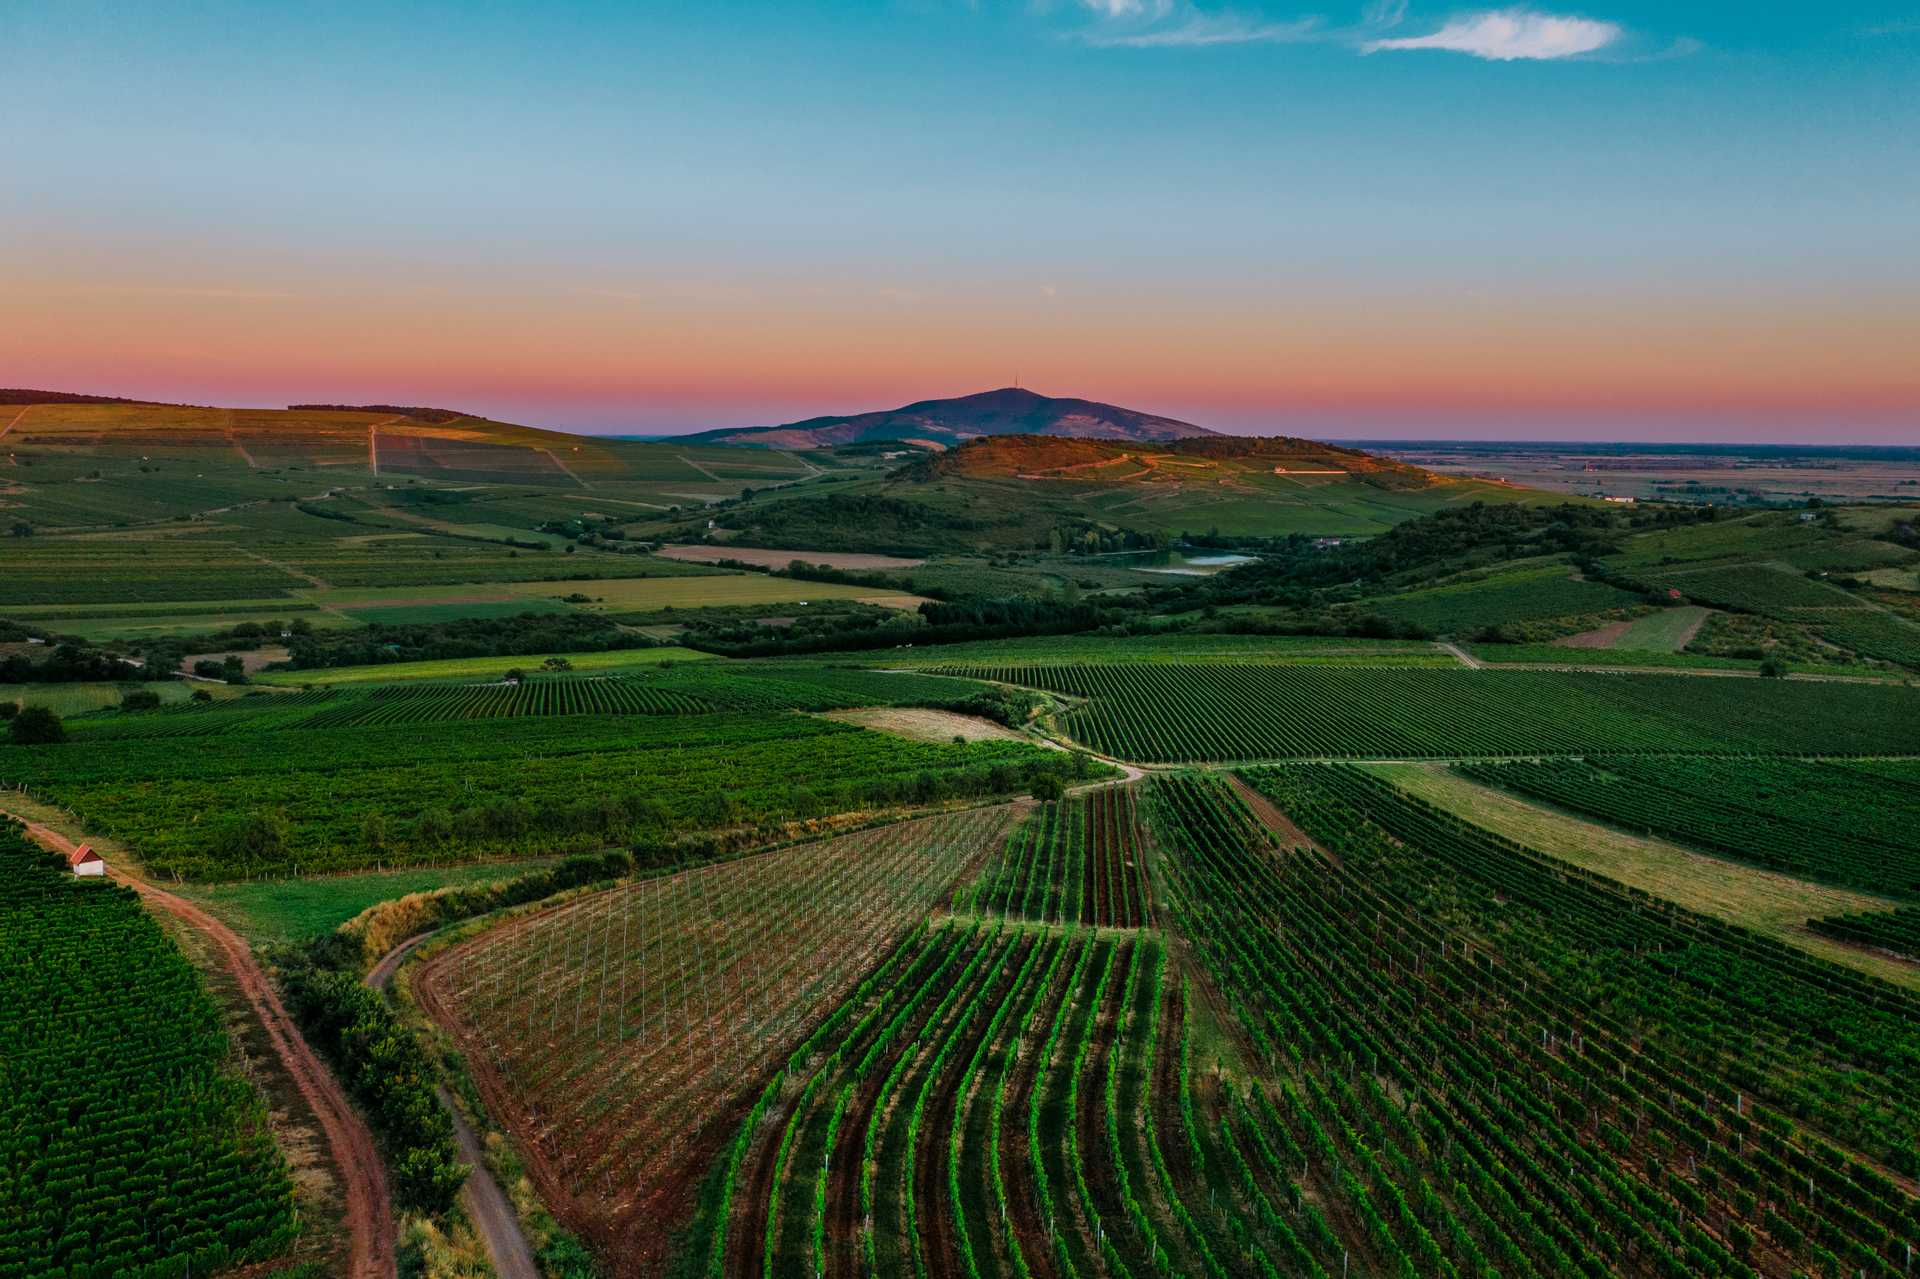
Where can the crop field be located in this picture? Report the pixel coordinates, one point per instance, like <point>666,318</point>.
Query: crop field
<point>1531,596</point>
<point>126,1147</point>
<point>1896,932</point>
<point>1826,822</point>
<point>1851,621</point>
<point>1224,713</point>
<point>1171,649</point>
<point>712,590</point>
<point>470,668</point>
<point>288,801</point>
<point>427,703</point>
<point>613,1031</point>
<point>1486,1059</point>
<point>1078,861</point>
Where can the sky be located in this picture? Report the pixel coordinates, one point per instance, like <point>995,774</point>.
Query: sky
<point>1617,219</point>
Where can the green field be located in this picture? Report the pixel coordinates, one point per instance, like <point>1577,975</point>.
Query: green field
<point>80,698</point>
<point>273,911</point>
<point>1665,631</point>
<point>469,668</point>
<point>131,1145</point>
<point>1536,595</point>
<point>1219,712</point>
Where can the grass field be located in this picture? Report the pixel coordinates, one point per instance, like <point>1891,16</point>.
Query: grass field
<point>79,698</point>
<point>1666,631</point>
<point>1775,905</point>
<point>270,911</point>
<point>481,667</point>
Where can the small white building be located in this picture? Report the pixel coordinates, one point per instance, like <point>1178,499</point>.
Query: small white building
<point>84,861</point>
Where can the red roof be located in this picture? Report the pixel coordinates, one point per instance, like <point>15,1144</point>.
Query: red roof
<point>82,855</point>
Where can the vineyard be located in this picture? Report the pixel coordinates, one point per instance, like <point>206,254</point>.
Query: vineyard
<point>1827,822</point>
<point>1078,861</point>
<point>125,1148</point>
<point>1535,595</point>
<point>275,802</point>
<point>614,1032</point>
<point>1897,932</point>
<point>428,703</point>
<point>1222,713</point>
<point>1489,1062</point>
<point>1849,620</point>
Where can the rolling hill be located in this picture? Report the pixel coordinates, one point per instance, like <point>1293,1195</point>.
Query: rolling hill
<point>1008,411</point>
<point>1024,491</point>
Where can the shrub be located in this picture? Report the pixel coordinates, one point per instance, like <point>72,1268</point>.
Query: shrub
<point>36,726</point>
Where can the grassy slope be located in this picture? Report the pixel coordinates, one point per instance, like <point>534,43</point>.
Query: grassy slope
<point>283,910</point>
<point>1776,905</point>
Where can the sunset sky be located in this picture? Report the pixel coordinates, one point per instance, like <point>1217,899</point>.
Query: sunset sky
<point>1628,219</point>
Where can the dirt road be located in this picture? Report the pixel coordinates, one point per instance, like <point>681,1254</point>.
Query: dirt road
<point>485,1202</point>
<point>362,1175</point>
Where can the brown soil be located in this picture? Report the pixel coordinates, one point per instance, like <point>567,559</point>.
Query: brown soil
<point>1270,816</point>
<point>1600,637</point>
<point>923,725</point>
<point>369,1211</point>
<point>1015,1162</point>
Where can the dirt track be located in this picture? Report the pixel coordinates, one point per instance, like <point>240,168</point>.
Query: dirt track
<point>362,1176</point>
<point>485,1202</point>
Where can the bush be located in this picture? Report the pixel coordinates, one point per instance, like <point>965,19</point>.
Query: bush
<point>36,726</point>
<point>260,835</point>
<point>8,710</point>
<point>1773,666</point>
<point>1048,786</point>
<point>140,699</point>
<point>388,1071</point>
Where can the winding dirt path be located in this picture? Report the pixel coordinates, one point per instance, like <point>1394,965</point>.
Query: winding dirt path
<point>362,1176</point>
<point>485,1202</point>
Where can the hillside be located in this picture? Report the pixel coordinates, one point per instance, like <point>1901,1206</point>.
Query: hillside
<point>1008,411</point>
<point>1023,492</point>
<point>1220,459</point>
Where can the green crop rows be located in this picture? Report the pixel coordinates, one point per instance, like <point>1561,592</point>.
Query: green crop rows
<point>427,703</point>
<point>1536,595</point>
<point>124,1147</point>
<point>1496,1064</point>
<point>1895,931</point>
<point>1076,861</point>
<point>1828,822</point>
<point>409,794</point>
<point>1215,712</point>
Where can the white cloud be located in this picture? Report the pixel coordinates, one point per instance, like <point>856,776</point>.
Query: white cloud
<point>1508,35</point>
<point>1136,9</point>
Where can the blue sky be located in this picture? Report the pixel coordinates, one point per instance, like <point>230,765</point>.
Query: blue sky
<point>1685,220</point>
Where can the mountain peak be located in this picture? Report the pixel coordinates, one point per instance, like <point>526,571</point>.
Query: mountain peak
<point>1007,410</point>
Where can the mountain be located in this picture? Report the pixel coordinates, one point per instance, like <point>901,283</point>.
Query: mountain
<point>1009,411</point>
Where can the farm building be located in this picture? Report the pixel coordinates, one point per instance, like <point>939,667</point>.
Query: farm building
<point>84,861</point>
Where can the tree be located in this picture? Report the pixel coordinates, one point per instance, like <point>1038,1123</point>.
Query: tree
<point>22,529</point>
<point>233,670</point>
<point>556,664</point>
<point>36,726</point>
<point>1046,786</point>
<point>1773,666</point>
<point>140,699</point>
<point>261,835</point>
